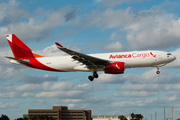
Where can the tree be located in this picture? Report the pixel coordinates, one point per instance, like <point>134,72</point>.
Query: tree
<point>40,117</point>
<point>51,118</point>
<point>32,117</point>
<point>25,118</point>
<point>122,117</point>
<point>132,115</point>
<point>22,118</point>
<point>19,119</point>
<point>4,117</point>
<point>139,116</point>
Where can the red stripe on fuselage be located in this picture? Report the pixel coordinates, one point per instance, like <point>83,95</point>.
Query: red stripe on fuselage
<point>34,63</point>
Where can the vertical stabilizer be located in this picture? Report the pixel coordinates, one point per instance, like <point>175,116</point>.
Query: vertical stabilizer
<point>19,49</point>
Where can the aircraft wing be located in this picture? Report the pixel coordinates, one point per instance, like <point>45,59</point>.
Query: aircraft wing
<point>90,61</point>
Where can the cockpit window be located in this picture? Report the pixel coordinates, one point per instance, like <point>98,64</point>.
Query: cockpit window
<point>169,54</point>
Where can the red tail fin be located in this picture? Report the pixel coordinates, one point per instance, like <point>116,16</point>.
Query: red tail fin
<point>19,49</point>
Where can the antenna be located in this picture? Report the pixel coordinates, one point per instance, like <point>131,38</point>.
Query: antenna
<point>164,114</point>
<point>172,114</point>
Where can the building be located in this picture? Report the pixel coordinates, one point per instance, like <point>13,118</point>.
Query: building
<point>108,117</point>
<point>61,113</point>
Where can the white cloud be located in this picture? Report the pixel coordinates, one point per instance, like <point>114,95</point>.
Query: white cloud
<point>28,26</point>
<point>134,94</point>
<point>109,18</point>
<point>114,36</point>
<point>38,79</point>
<point>61,94</point>
<point>90,102</point>
<point>50,51</point>
<point>7,72</point>
<point>40,102</point>
<point>65,90</point>
<point>98,1</point>
<point>145,103</point>
<point>7,8</point>
<point>115,46</point>
<point>8,105</point>
<point>110,79</point>
<point>146,77</point>
<point>27,95</point>
<point>161,30</point>
<point>9,95</point>
<point>111,3</point>
<point>145,87</point>
<point>147,29</point>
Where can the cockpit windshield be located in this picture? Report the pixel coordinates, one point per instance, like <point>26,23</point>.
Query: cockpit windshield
<point>169,54</point>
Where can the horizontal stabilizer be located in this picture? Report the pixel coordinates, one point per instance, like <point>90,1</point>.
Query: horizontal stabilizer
<point>24,62</point>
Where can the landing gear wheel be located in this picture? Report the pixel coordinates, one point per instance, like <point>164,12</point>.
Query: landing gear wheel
<point>95,75</point>
<point>158,72</point>
<point>91,78</point>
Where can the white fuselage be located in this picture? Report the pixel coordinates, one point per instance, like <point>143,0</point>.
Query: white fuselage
<point>110,63</point>
<point>131,59</point>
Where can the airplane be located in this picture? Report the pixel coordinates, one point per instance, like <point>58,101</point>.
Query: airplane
<point>110,63</point>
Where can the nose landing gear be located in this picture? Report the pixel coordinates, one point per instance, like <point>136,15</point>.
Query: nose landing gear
<point>95,75</point>
<point>158,71</point>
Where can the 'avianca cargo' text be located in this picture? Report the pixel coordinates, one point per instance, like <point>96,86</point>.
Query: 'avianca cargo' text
<point>133,55</point>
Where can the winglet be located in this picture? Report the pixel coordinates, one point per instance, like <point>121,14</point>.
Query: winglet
<point>59,45</point>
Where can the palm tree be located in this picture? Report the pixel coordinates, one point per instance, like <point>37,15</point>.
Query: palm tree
<point>132,115</point>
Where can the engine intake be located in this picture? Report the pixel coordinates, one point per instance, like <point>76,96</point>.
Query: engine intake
<point>114,68</point>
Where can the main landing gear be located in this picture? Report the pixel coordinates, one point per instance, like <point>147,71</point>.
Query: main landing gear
<point>158,71</point>
<point>95,75</point>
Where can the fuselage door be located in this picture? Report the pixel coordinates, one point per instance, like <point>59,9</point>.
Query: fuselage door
<point>159,56</point>
<point>158,59</point>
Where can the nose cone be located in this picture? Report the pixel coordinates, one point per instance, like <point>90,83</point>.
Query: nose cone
<point>173,58</point>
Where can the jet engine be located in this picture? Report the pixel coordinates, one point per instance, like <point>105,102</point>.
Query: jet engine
<point>114,68</point>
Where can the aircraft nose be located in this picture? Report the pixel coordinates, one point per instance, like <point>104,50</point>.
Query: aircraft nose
<point>174,57</point>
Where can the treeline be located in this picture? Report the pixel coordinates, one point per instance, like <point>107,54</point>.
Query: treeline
<point>5,117</point>
<point>133,117</point>
<point>31,117</point>
<point>40,117</point>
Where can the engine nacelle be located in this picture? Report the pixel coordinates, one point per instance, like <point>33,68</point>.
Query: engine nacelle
<point>114,68</point>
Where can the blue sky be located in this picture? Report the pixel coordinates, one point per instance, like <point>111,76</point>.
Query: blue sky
<point>91,26</point>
